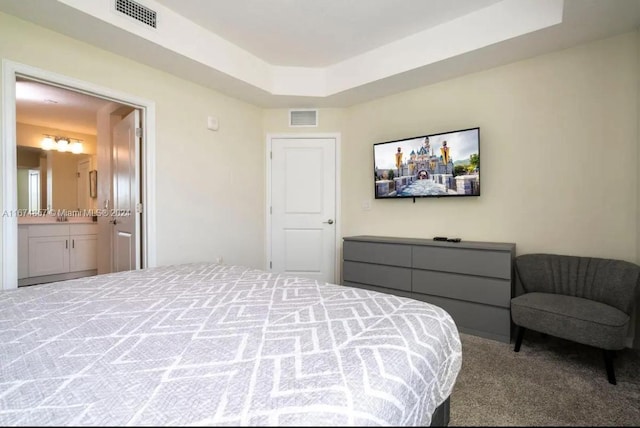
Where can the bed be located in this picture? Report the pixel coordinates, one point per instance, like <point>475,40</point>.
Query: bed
<point>210,344</point>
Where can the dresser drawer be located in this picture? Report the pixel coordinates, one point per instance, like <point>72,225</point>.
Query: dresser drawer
<point>491,291</point>
<point>391,277</point>
<point>475,318</point>
<point>378,289</point>
<point>496,264</point>
<point>387,254</point>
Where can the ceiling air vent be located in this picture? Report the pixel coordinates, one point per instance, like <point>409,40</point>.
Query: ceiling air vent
<point>137,12</point>
<point>303,117</point>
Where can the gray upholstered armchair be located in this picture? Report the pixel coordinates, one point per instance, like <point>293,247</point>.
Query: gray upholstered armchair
<point>583,299</point>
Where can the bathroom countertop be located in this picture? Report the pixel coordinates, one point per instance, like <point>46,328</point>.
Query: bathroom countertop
<point>28,220</point>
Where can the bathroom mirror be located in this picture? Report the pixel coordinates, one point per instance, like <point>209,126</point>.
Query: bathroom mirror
<point>52,180</point>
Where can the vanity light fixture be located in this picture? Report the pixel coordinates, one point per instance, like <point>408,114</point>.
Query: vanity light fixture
<point>48,143</point>
<point>61,144</point>
<point>76,147</point>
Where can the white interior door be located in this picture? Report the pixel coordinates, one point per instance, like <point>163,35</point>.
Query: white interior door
<point>303,207</point>
<point>126,153</point>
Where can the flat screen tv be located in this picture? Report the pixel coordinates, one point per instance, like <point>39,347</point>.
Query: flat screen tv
<point>435,165</point>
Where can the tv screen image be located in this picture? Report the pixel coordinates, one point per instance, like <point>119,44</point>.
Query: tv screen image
<point>436,165</point>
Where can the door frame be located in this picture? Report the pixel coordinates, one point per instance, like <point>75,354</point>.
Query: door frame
<point>336,136</point>
<point>8,153</point>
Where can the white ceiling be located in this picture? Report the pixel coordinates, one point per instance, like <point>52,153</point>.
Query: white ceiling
<point>318,33</point>
<point>52,107</point>
<point>331,53</point>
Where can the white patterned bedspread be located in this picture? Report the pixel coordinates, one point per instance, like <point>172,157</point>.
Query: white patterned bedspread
<point>207,344</point>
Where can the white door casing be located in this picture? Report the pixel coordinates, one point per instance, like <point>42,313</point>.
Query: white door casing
<point>126,194</point>
<point>302,214</point>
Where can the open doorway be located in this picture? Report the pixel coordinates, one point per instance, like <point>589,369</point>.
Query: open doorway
<point>58,162</point>
<point>69,216</point>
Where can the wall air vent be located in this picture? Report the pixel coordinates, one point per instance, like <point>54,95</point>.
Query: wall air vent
<point>303,117</point>
<point>137,12</point>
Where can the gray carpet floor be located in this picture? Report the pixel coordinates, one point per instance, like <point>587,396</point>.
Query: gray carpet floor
<point>550,382</point>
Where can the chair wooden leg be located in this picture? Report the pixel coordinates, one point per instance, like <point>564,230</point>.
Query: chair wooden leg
<point>519,337</point>
<point>608,363</point>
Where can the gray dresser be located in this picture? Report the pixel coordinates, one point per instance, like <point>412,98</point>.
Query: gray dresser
<point>472,281</point>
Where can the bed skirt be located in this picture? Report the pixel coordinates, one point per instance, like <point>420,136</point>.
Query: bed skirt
<point>440,417</point>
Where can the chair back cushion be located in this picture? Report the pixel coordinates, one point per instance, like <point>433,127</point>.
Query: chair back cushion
<point>613,282</point>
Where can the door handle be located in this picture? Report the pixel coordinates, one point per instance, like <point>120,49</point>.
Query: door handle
<point>329,221</point>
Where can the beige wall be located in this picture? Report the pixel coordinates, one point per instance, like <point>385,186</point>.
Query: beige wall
<point>209,187</point>
<point>559,154</point>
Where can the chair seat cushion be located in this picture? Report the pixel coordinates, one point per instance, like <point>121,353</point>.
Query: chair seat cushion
<point>573,318</point>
